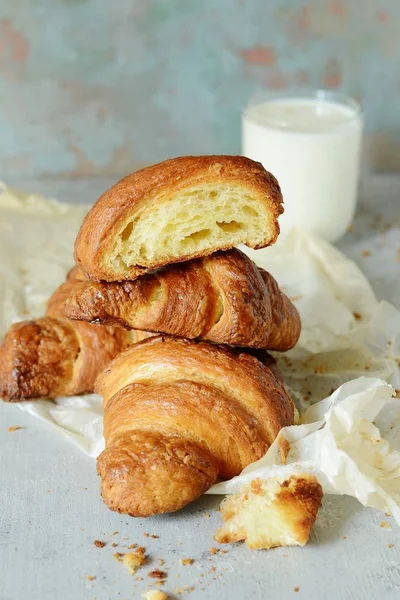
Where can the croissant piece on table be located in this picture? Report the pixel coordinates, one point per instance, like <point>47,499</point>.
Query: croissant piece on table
<point>179,414</point>
<point>176,210</point>
<point>272,512</point>
<point>52,356</point>
<point>223,298</point>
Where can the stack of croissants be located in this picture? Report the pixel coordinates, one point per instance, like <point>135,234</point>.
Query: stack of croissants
<point>171,324</point>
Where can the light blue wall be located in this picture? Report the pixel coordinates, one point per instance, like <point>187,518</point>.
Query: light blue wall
<point>103,86</point>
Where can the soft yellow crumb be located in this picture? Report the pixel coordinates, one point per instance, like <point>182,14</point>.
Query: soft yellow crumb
<point>134,560</point>
<point>90,577</point>
<point>385,525</point>
<point>14,428</point>
<point>213,550</point>
<point>271,513</point>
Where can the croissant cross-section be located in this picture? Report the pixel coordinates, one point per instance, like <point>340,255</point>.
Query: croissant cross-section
<point>176,210</point>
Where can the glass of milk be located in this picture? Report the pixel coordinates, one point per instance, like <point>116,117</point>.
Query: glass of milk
<point>311,142</point>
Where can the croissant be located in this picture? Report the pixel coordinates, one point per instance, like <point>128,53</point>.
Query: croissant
<point>179,209</point>
<point>223,298</point>
<point>178,414</point>
<point>53,356</point>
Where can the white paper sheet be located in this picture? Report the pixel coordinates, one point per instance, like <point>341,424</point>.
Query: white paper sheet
<point>337,442</point>
<point>346,335</point>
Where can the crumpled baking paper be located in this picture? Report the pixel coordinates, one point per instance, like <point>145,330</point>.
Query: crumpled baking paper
<point>36,241</point>
<point>337,441</point>
<point>349,340</point>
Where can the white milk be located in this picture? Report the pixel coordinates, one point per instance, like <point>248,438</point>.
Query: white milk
<point>312,146</point>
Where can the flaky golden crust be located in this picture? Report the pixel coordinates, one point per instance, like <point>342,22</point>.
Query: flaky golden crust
<point>145,473</point>
<point>272,513</point>
<point>236,373</point>
<point>56,302</point>
<point>216,403</point>
<point>53,356</point>
<point>163,179</point>
<point>36,359</point>
<point>285,320</point>
<point>56,308</point>
<point>223,298</point>
<point>238,441</point>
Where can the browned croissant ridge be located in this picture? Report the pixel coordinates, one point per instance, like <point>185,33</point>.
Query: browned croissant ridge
<point>224,298</point>
<point>182,208</point>
<point>53,356</point>
<point>178,415</point>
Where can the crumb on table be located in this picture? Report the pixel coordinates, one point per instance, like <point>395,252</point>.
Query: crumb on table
<point>134,560</point>
<point>99,543</point>
<point>14,428</point>
<point>184,590</point>
<point>157,574</point>
<point>296,589</point>
<point>213,550</point>
<point>186,561</point>
<point>385,525</point>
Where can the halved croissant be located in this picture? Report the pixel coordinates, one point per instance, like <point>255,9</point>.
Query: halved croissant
<point>53,356</point>
<point>178,415</point>
<point>177,210</point>
<point>223,298</point>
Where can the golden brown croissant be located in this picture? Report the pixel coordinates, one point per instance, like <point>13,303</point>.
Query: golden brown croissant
<point>53,356</point>
<point>223,298</point>
<point>179,209</point>
<point>178,414</point>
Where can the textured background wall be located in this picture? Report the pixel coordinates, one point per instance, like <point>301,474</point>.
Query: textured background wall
<point>102,86</point>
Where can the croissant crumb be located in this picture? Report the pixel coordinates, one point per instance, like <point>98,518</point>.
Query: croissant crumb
<point>134,560</point>
<point>272,513</point>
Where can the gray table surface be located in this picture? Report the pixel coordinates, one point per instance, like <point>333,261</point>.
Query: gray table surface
<point>51,511</point>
